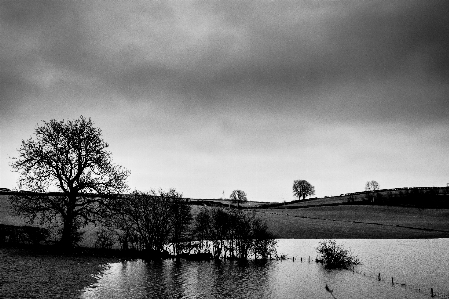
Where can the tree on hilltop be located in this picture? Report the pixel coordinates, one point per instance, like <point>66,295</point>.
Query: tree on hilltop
<point>302,188</point>
<point>70,157</point>
<point>371,186</point>
<point>238,196</point>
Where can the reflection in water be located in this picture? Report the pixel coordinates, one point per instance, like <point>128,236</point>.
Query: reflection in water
<point>284,279</point>
<point>186,279</point>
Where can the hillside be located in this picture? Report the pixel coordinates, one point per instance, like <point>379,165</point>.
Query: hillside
<point>321,219</point>
<point>358,222</point>
<point>423,197</point>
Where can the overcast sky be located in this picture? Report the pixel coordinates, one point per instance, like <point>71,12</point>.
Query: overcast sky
<point>212,96</point>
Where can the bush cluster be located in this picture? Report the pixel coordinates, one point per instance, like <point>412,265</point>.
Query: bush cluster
<point>149,221</point>
<point>335,256</point>
<point>233,234</point>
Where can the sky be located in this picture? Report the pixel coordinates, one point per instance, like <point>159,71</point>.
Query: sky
<point>211,96</point>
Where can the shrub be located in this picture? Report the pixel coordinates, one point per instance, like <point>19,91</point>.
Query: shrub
<point>335,256</point>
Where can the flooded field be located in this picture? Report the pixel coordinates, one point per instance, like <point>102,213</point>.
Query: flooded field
<point>24,274</point>
<point>417,266</point>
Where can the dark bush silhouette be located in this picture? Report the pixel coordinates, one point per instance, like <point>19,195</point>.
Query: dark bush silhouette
<point>233,234</point>
<point>334,256</point>
<point>149,221</point>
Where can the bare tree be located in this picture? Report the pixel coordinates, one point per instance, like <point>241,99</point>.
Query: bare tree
<point>202,227</point>
<point>264,242</point>
<point>238,196</point>
<point>371,186</point>
<point>234,233</point>
<point>302,188</point>
<point>152,220</point>
<point>69,157</point>
<point>144,217</point>
<point>181,216</point>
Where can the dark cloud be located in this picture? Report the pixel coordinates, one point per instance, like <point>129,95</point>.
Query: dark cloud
<point>376,39</point>
<point>249,54</point>
<point>383,36</point>
<point>34,34</point>
<point>389,58</point>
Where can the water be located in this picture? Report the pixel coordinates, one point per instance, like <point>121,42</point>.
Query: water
<point>416,265</point>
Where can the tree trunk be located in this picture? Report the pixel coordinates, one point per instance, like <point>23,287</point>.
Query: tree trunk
<point>69,229</point>
<point>67,238</point>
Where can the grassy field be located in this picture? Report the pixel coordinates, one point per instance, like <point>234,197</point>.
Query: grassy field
<point>357,221</point>
<point>326,222</point>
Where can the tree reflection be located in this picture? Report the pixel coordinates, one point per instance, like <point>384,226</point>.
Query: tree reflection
<point>189,279</point>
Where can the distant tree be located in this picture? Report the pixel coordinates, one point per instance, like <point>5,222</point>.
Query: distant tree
<point>238,196</point>
<point>371,186</point>
<point>69,157</point>
<point>302,188</point>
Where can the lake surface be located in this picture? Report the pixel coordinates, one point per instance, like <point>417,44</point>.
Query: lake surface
<point>415,265</point>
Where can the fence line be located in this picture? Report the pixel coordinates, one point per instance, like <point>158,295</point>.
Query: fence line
<point>390,281</point>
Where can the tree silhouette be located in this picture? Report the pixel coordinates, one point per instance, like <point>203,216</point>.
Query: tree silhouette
<point>371,186</point>
<point>181,217</point>
<point>151,220</point>
<point>69,157</point>
<point>302,188</point>
<point>233,233</point>
<point>238,196</point>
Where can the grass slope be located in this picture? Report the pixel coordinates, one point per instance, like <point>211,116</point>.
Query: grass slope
<point>357,221</point>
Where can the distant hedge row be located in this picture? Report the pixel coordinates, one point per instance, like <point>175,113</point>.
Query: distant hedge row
<point>414,199</point>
